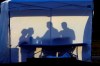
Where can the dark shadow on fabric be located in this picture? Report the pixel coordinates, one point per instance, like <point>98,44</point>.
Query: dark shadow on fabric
<point>53,37</point>
<point>67,36</point>
<point>47,38</point>
<point>26,38</point>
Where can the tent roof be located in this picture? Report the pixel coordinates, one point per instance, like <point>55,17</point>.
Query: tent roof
<point>48,4</point>
<point>46,0</point>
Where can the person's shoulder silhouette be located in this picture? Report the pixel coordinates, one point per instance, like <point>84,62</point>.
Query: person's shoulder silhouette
<point>30,38</point>
<point>67,32</point>
<point>51,32</point>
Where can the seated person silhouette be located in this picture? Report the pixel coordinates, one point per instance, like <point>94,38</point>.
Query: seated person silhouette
<point>50,34</point>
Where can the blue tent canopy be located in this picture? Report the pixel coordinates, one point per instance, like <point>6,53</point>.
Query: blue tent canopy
<point>46,0</point>
<point>48,4</point>
<point>16,5</point>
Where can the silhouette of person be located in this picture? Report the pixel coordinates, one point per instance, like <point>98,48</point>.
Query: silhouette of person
<point>22,39</point>
<point>68,35</point>
<point>30,39</point>
<point>67,32</point>
<point>26,38</point>
<point>50,34</point>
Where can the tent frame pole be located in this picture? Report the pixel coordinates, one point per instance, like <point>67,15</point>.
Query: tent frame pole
<point>9,38</point>
<point>50,25</point>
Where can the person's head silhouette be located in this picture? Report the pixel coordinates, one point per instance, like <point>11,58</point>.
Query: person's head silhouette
<point>64,25</point>
<point>49,25</point>
<point>29,37</point>
<point>24,32</point>
<point>30,31</point>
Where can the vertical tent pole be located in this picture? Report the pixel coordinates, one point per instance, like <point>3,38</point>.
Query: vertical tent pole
<point>50,25</point>
<point>9,37</point>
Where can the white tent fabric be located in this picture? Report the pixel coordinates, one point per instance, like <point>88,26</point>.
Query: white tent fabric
<point>4,51</point>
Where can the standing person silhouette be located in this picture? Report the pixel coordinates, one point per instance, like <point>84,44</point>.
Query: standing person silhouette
<point>26,38</point>
<point>50,34</point>
<point>68,35</point>
<point>31,40</point>
<point>22,41</point>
